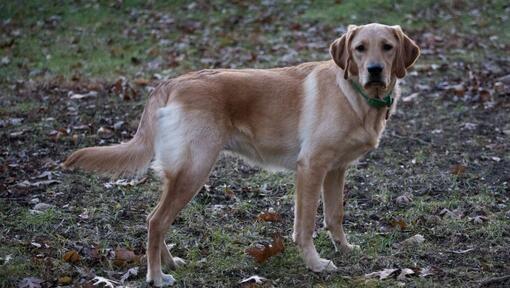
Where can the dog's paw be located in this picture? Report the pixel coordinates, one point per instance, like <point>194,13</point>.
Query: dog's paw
<point>346,248</point>
<point>164,281</point>
<point>178,262</point>
<point>172,262</point>
<point>349,248</point>
<point>167,280</point>
<point>321,265</point>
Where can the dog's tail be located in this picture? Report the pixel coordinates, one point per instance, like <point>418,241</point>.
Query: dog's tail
<point>125,159</point>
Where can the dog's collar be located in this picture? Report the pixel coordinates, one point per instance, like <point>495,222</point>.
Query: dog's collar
<point>386,101</point>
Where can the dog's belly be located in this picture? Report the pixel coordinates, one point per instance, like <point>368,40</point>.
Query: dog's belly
<point>275,155</point>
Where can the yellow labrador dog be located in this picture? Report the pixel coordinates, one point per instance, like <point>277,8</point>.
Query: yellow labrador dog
<point>315,118</point>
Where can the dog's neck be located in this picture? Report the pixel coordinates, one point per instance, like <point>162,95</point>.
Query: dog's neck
<point>373,119</point>
<point>375,92</point>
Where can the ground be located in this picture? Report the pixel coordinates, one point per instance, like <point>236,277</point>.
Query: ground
<point>77,73</point>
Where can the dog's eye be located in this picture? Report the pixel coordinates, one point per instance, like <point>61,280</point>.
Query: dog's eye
<point>387,47</point>
<point>360,48</point>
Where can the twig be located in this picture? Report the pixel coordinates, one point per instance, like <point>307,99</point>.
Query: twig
<point>494,280</point>
<point>412,138</point>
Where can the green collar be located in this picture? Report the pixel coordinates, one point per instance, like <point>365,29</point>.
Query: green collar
<point>374,102</point>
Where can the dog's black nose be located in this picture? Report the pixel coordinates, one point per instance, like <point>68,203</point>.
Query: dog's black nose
<point>375,69</point>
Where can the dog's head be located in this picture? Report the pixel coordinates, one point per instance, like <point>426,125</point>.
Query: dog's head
<point>375,53</point>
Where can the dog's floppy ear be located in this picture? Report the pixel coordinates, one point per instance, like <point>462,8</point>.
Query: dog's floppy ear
<point>407,52</point>
<point>341,53</point>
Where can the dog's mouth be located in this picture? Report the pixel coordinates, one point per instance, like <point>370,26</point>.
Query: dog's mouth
<point>378,84</point>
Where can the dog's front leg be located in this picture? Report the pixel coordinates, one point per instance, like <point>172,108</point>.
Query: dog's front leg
<point>309,184</point>
<point>333,203</point>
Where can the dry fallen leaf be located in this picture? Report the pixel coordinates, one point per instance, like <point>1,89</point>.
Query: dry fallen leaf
<point>104,132</point>
<point>123,89</point>
<point>459,90</point>
<point>485,95</point>
<point>458,169</point>
<point>254,279</point>
<point>461,251</point>
<point>413,240</point>
<point>125,182</point>
<point>402,274</point>
<point>229,194</point>
<point>30,282</point>
<point>430,270</point>
<point>71,256</point>
<point>398,223</point>
<point>65,280</point>
<point>6,259</point>
<point>124,256</point>
<point>404,199</point>
<point>92,253</point>
<point>76,96</point>
<point>410,98</point>
<point>499,88</point>
<point>455,214</point>
<point>141,81</point>
<point>269,217</point>
<point>131,272</point>
<point>479,219</point>
<point>383,274</point>
<point>106,282</point>
<point>263,252</point>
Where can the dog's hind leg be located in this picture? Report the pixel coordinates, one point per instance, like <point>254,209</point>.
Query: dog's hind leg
<point>166,257</point>
<point>168,260</point>
<point>179,189</point>
<point>184,169</point>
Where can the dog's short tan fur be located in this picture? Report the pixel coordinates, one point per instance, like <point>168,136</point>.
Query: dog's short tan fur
<point>305,118</point>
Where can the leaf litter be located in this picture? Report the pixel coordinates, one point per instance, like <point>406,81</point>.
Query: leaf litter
<point>262,252</point>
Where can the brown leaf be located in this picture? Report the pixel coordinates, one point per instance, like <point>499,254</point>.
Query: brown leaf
<point>269,217</point>
<point>229,194</point>
<point>71,256</point>
<point>458,169</point>
<point>459,90</point>
<point>65,280</point>
<point>75,139</point>
<point>92,253</point>
<point>399,223</point>
<point>485,95</point>
<point>124,256</point>
<point>263,252</point>
<point>153,52</point>
<point>123,89</point>
<point>141,81</point>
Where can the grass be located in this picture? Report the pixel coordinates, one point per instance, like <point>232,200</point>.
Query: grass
<point>92,44</point>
